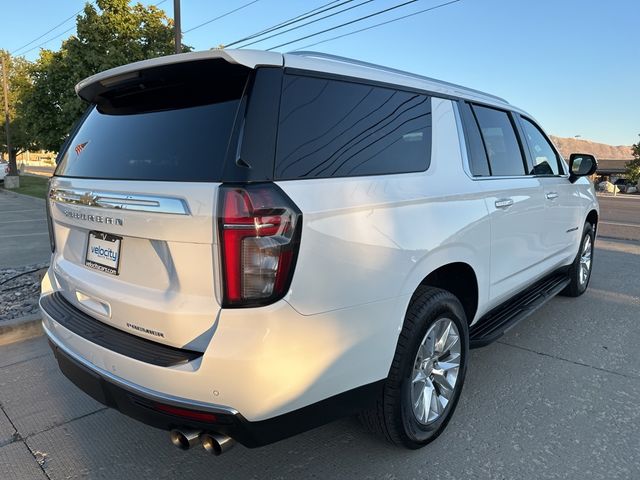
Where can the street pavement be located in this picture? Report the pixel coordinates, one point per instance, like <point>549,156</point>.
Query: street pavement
<point>557,397</point>
<point>620,216</point>
<point>24,238</point>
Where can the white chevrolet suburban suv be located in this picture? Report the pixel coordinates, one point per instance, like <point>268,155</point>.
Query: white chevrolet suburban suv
<point>246,245</point>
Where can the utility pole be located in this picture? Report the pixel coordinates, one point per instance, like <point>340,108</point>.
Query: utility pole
<point>176,26</point>
<point>13,171</point>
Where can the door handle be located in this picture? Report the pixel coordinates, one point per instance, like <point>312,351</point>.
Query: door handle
<point>552,195</point>
<point>504,203</point>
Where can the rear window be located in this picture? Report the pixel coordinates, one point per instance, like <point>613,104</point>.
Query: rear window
<point>171,127</point>
<point>333,128</point>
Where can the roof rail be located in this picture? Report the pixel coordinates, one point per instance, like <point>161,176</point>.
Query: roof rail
<point>337,58</point>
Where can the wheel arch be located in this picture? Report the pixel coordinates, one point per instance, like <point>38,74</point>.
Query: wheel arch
<point>458,278</point>
<point>592,218</point>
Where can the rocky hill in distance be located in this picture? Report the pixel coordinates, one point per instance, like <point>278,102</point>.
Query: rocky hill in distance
<point>568,146</point>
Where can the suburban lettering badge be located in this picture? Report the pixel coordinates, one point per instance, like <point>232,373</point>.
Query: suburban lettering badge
<point>93,218</point>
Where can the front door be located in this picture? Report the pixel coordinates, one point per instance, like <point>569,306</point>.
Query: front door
<point>515,203</point>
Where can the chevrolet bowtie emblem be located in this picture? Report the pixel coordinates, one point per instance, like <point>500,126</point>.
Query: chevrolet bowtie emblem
<point>88,199</point>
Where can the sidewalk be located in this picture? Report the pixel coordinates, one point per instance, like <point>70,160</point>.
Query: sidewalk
<point>24,237</point>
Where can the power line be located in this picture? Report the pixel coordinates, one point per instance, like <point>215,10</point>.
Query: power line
<point>378,24</point>
<point>47,41</point>
<point>48,31</point>
<point>380,12</point>
<point>221,16</point>
<point>308,23</point>
<point>291,21</point>
<point>60,34</point>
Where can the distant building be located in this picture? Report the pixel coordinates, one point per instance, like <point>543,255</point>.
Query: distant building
<point>610,170</point>
<point>611,167</point>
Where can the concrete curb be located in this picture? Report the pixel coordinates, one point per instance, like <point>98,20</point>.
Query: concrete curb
<point>19,329</point>
<point>11,193</point>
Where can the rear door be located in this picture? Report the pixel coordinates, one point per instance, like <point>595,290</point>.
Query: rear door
<point>133,200</point>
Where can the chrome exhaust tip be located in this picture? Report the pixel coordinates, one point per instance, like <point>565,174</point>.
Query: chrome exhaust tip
<point>216,443</point>
<point>184,439</point>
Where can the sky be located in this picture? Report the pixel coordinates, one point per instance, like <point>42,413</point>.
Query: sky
<point>572,64</point>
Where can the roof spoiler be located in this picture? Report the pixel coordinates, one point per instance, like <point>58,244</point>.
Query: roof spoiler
<point>93,86</point>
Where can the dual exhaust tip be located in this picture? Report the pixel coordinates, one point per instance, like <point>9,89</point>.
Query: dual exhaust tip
<point>214,443</point>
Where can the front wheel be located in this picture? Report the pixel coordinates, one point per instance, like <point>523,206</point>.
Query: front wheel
<point>427,372</point>
<point>580,270</point>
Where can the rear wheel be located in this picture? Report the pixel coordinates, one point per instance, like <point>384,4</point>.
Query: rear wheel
<point>580,270</point>
<point>427,372</point>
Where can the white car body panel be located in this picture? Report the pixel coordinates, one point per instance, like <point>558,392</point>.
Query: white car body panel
<point>366,245</point>
<point>354,225</point>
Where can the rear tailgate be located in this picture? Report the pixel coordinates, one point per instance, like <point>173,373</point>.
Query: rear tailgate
<point>132,202</point>
<point>163,286</point>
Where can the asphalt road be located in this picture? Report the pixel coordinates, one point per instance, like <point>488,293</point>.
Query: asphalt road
<point>620,217</point>
<point>557,397</point>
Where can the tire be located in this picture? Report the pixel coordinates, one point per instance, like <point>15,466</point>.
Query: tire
<point>394,416</point>
<point>576,273</point>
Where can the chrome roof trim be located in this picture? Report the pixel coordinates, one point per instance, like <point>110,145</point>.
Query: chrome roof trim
<point>394,71</point>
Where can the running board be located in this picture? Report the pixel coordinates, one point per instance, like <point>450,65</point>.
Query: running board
<point>504,317</point>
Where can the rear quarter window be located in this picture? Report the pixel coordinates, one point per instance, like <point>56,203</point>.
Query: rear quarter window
<point>335,128</point>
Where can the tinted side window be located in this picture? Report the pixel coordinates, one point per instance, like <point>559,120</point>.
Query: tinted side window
<point>545,160</point>
<point>332,128</point>
<point>500,141</point>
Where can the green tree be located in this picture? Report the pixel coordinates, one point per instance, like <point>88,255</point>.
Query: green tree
<point>109,33</point>
<point>19,82</point>
<point>633,167</point>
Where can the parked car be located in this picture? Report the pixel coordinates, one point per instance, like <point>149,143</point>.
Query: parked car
<point>4,170</point>
<point>608,187</point>
<point>625,185</point>
<point>246,245</point>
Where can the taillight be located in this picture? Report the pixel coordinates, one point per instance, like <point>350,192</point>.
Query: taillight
<point>52,238</point>
<point>259,230</point>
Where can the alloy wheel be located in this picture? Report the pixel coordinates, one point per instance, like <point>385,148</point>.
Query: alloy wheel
<point>435,371</point>
<point>585,260</point>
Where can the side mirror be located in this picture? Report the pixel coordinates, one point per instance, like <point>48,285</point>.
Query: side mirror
<point>581,165</point>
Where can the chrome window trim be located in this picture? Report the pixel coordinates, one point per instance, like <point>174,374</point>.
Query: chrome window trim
<point>465,156</point>
<point>120,201</point>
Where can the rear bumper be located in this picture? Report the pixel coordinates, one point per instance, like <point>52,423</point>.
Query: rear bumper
<point>267,373</point>
<point>144,406</point>
<point>263,362</point>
